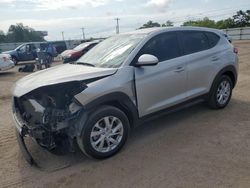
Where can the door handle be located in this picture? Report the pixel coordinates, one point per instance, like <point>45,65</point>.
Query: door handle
<point>179,69</point>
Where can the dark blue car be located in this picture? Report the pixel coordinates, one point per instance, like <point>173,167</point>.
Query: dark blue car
<point>27,51</point>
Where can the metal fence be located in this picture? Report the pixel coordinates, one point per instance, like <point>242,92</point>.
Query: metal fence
<point>10,46</point>
<point>242,33</point>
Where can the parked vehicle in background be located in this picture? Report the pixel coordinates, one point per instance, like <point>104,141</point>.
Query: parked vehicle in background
<point>24,52</point>
<point>60,46</point>
<point>5,62</point>
<point>77,52</point>
<point>122,82</point>
<point>27,51</point>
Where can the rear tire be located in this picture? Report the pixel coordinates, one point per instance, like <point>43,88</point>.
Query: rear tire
<point>105,132</point>
<point>221,92</point>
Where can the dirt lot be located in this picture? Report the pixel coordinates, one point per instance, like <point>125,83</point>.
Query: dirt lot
<point>195,147</point>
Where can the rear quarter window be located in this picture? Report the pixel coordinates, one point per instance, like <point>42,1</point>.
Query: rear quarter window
<point>212,38</point>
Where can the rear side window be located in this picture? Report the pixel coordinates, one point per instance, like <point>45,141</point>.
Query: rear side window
<point>164,47</point>
<point>213,38</point>
<point>194,41</point>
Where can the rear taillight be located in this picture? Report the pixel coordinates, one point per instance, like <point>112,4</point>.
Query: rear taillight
<point>236,50</point>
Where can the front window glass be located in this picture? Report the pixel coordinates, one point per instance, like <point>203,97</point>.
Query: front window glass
<point>22,48</point>
<point>112,52</point>
<point>164,47</point>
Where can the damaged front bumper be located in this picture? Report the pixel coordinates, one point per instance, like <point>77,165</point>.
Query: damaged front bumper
<point>20,134</point>
<point>53,134</point>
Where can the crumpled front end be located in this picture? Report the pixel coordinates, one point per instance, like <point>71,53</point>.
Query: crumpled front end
<point>48,114</point>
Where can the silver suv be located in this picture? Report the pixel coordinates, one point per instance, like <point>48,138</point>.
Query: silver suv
<point>120,83</point>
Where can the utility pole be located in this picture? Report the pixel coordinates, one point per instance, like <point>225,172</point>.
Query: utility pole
<point>83,34</point>
<point>117,25</point>
<point>63,35</point>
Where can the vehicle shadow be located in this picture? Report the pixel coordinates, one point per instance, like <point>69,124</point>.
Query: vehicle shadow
<point>189,118</point>
<point>25,63</point>
<point>7,73</point>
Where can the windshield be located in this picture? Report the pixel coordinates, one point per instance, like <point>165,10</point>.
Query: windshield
<point>112,52</point>
<point>20,46</point>
<point>81,46</point>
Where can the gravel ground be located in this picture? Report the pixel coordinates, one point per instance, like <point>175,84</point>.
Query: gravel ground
<point>195,147</point>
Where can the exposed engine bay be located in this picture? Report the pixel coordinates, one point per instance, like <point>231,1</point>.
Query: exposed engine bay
<point>49,114</point>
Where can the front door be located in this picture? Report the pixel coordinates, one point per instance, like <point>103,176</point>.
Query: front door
<point>25,53</point>
<point>164,84</point>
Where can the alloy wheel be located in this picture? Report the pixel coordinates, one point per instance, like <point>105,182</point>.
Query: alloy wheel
<point>223,92</point>
<point>106,134</point>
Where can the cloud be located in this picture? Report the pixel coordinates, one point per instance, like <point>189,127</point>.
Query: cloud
<point>95,26</point>
<point>159,5</point>
<point>51,4</point>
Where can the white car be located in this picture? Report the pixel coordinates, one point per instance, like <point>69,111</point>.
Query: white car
<point>5,62</point>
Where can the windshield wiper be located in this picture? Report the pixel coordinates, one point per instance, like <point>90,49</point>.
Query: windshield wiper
<point>87,64</point>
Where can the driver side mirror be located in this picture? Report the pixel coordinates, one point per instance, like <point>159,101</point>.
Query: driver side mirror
<point>147,60</point>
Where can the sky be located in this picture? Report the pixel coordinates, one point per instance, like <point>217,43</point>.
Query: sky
<point>98,16</point>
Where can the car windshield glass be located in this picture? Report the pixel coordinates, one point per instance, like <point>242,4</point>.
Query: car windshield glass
<point>21,46</point>
<point>81,46</point>
<point>112,52</point>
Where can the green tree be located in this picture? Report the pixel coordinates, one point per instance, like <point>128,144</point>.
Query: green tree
<point>242,19</point>
<point>205,22</point>
<point>2,36</point>
<point>224,24</point>
<point>150,24</point>
<point>21,33</point>
<point>168,24</point>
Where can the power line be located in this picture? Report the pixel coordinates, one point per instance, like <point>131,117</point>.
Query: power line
<point>214,13</point>
<point>63,35</point>
<point>117,25</point>
<point>209,13</point>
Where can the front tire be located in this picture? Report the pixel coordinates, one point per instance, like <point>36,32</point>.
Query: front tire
<point>104,133</point>
<point>221,92</point>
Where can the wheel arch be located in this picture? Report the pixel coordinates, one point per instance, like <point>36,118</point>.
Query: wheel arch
<point>230,71</point>
<point>119,100</point>
<point>14,56</point>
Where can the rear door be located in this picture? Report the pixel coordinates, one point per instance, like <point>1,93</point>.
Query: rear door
<point>200,59</point>
<point>162,85</point>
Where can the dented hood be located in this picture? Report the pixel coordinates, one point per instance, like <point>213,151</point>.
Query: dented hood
<point>58,74</point>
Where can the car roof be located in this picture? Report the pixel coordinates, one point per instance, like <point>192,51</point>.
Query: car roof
<point>162,29</point>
